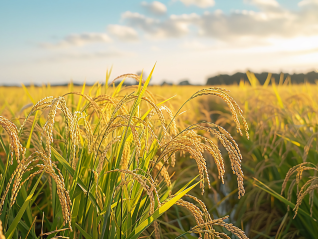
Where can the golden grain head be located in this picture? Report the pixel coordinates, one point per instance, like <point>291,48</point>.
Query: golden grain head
<point>299,170</point>
<point>307,188</point>
<point>203,207</point>
<point>195,211</point>
<point>219,222</point>
<point>163,172</point>
<point>157,229</point>
<point>144,133</point>
<point>134,76</point>
<point>1,231</point>
<point>300,197</point>
<point>146,183</point>
<point>125,156</point>
<point>191,142</point>
<point>234,107</point>
<point>12,131</point>
<point>40,105</point>
<point>47,167</point>
<point>173,128</point>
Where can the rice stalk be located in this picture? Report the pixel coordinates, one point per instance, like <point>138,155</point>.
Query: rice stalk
<point>307,188</point>
<point>219,222</point>
<point>15,145</point>
<point>121,142</point>
<point>1,231</point>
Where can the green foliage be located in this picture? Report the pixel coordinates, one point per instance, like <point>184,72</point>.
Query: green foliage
<point>283,128</point>
<point>95,165</point>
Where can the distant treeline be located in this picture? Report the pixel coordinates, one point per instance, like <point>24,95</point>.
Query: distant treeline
<point>310,77</point>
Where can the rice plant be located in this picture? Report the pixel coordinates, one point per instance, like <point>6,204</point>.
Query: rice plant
<point>99,165</point>
<point>280,160</point>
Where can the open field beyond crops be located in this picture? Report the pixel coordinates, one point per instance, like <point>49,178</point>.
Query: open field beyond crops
<point>125,162</point>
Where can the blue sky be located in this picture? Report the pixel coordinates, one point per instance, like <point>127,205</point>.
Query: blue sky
<point>55,41</point>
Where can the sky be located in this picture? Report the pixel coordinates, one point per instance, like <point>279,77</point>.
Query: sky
<point>57,41</point>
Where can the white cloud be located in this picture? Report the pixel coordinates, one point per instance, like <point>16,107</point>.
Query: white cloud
<point>238,28</point>
<point>185,17</point>
<point>138,19</point>
<point>174,26</point>
<point>79,40</point>
<point>297,45</point>
<point>241,26</point>
<point>268,6</point>
<point>123,33</point>
<point>307,2</point>
<point>199,3</point>
<point>271,3</point>
<point>155,7</point>
<point>79,55</point>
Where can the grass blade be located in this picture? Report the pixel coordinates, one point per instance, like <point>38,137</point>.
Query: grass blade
<point>146,223</point>
<point>17,219</point>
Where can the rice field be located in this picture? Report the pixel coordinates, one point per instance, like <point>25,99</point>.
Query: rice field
<point>146,161</point>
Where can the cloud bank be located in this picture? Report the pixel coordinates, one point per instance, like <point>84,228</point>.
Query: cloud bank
<point>156,8</point>
<point>199,3</point>
<point>271,21</point>
<point>123,33</point>
<point>79,40</point>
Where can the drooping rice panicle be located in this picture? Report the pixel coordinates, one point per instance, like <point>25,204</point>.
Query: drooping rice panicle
<point>234,107</point>
<point>163,172</point>
<point>204,209</point>
<point>219,222</point>
<point>12,131</point>
<point>81,146</point>
<point>143,181</point>
<point>40,105</point>
<point>298,168</point>
<point>157,229</point>
<point>134,76</point>
<point>1,231</point>
<point>48,127</point>
<point>307,188</point>
<point>174,129</point>
<point>124,161</point>
<point>195,211</point>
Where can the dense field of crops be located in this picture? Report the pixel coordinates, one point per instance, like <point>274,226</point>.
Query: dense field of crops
<point>129,162</point>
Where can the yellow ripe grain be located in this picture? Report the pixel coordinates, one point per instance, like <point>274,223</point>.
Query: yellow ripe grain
<point>174,129</point>
<point>300,167</point>
<point>103,155</point>
<point>109,118</point>
<point>125,157</point>
<point>164,173</point>
<point>12,131</point>
<point>157,229</point>
<point>205,210</point>
<point>219,222</point>
<point>40,105</point>
<point>308,188</point>
<point>143,182</point>
<point>195,211</point>
<point>134,76</point>
<point>1,231</point>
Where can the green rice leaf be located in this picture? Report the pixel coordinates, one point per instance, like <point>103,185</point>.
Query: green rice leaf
<point>32,128</point>
<point>28,94</point>
<point>80,98</point>
<point>17,219</point>
<point>147,221</point>
<point>71,171</point>
<point>85,234</point>
<point>267,189</point>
